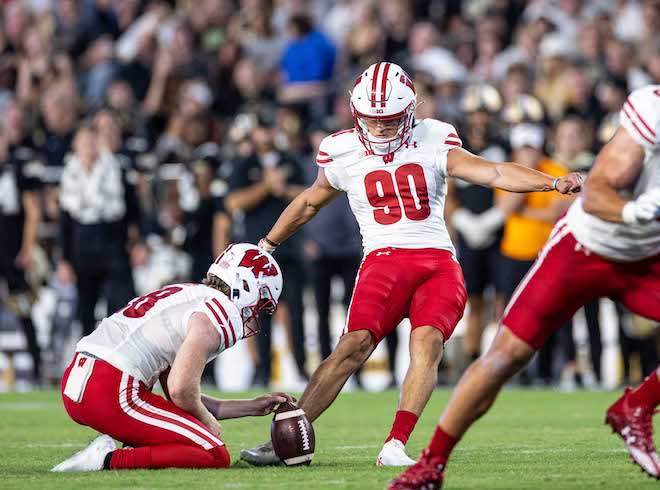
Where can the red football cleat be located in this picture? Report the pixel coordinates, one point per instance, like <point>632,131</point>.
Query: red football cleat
<point>426,474</point>
<point>634,423</point>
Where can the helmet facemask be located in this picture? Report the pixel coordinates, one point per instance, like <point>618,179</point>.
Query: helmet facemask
<point>395,130</point>
<point>250,314</point>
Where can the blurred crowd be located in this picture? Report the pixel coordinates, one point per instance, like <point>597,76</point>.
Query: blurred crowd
<point>139,137</point>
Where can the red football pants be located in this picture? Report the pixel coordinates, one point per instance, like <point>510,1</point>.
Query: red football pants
<point>161,434</point>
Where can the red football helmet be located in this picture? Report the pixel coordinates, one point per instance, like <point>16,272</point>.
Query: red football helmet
<point>383,96</point>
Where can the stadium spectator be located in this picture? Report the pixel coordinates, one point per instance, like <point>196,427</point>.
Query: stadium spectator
<point>263,181</point>
<point>475,219</point>
<point>59,109</point>
<point>19,222</point>
<point>206,222</point>
<point>527,229</point>
<point>179,75</point>
<point>307,65</point>
<point>99,225</point>
<point>333,249</point>
<point>571,143</point>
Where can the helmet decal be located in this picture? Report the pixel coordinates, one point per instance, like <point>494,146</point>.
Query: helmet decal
<point>258,262</point>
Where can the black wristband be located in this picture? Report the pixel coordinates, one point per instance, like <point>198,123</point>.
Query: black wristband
<point>270,242</point>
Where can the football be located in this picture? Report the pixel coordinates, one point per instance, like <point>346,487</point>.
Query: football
<point>292,435</point>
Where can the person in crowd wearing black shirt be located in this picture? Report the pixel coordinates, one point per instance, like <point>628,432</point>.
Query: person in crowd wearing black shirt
<point>53,140</point>
<point>206,222</point>
<point>261,186</point>
<point>98,226</point>
<point>19,221</point>
<point>475,218</point>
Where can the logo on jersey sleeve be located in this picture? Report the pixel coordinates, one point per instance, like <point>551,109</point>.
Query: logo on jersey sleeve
<point>258,263</point>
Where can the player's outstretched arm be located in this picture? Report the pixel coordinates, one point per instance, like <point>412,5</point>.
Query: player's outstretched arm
<point>617,166</point>
<point>233,409</point>
<point>302,209</point>
<point>507,176</point>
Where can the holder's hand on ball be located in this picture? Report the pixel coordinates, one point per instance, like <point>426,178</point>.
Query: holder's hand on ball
<point>268,403</point>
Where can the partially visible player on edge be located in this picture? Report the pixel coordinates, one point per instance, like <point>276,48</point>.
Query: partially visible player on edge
<point>169,335</point>
<point>394,169</point>
<point>608,245</point>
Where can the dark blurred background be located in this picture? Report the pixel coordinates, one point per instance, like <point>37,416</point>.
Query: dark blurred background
<point>139,137</point>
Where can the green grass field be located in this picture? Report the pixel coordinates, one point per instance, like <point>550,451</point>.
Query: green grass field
<point>530,440</point>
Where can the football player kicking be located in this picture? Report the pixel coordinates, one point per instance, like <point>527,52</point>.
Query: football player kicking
<point>169,334</point>
<point>608,245</point>
<point>395,170</point>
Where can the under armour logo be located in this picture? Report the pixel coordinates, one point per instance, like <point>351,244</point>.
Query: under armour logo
<point>378,254</point>
<point>81,361</point>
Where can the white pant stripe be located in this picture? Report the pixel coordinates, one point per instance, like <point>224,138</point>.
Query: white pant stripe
<point>539,261</point>
<point>176,418</point>
<point>131,412</point>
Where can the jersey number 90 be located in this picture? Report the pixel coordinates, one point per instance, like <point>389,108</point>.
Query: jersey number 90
<point>382,194</point>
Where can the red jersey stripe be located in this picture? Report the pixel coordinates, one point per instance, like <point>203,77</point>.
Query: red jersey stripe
<point>639,131</point>
<point>217,318</point>
<point>640,118</point>
<point>224,313</point>
<point>454,143</point>
<point>324,154</point>
<point>327,160</point>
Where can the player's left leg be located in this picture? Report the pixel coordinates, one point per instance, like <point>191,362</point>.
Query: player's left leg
<point>631,416</point>
<point>435,308</point>
<point>426,348</point>
<point>379,303</point>
<point>161,435</point>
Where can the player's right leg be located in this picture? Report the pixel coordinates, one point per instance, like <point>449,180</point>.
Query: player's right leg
<point>543,302</point>
<point>631,416</point>
<point>162,435</point>
<point>376,309</point>
<point>353,349</point>
<point>475,393</point>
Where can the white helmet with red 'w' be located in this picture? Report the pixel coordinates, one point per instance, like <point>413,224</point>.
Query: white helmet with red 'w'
<point>383,97</point>
<point>254,280</point>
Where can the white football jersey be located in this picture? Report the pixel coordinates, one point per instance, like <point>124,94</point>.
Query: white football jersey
<point>400,202</point>
<point>143,338</point>
<point>640,117</point>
